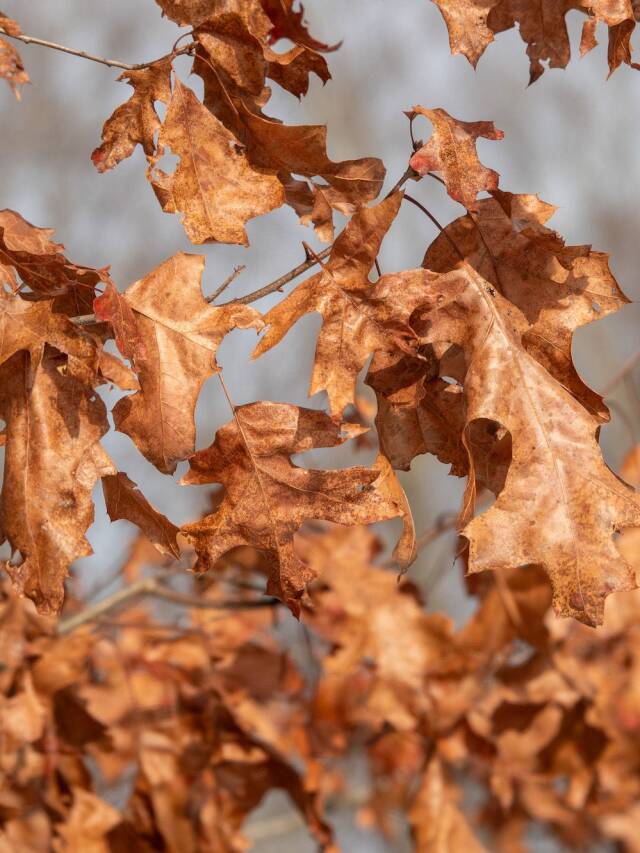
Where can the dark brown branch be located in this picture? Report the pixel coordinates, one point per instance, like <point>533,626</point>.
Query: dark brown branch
<point>111,63</point>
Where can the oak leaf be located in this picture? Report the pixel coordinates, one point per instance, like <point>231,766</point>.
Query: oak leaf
<point>29,256</point>
<point>214,185</point>
<point>136,121</point>
<point>179,333</point>
<point>466,22</point>
<point>30,326</point>
<point>451,150</point>
<point>356,323</point>
<point>560,506</point>
<point>558,288</point>
<point>268,497</point>
<point>53,459</point>
<point>125,501</point>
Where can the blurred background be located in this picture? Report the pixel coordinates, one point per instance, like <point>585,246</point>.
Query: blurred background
<point>572,138</point>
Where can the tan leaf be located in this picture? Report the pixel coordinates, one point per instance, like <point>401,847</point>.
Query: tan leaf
<point>87,826</point>
<point>195,12</point>
<point>214,186</point>
<point>451,150</point>
<point>560,506</point>
<point>466,22</point>
<point>125,501</point>
<point>116,371</point>
<point>355,322</point>
<point>558,288</point>
<point>180,333</point>
<point>31,326</point>
<point>29,253</point>
<point>375,674</point>
<point>135,122</point>
<point>268,498</point>
<point>53,459</point>
<point>438,824</point>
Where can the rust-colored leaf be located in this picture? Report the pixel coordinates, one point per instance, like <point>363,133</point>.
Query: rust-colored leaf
<point>466,22</point>
<point>136,121</point>
<point>558,288</point>
<point>179,333</point>
<point>268,498</point>
<point>451,150</point>
<point>124,500</point>
<point>560,506</point>
<point>355,322</point>
<point>214,186</point>
<point>53,459</point>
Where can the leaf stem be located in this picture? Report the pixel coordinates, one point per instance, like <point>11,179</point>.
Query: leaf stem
<point>435,222</point>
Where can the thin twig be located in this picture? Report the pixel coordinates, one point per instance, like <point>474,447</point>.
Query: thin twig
<point>154,587</point>
<point>410,172</point>
<point>279,283</point>
<point>225,284</point>
<point>436,223</point>
<point>111,63</point>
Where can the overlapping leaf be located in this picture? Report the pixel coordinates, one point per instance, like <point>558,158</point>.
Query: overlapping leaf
<point>472,25</point>
<point>560,506</point>
<point>268,498</point>
<point>178,334</point>
<point>53,459</point>
<point>557,287</point>
<point>357,321</point>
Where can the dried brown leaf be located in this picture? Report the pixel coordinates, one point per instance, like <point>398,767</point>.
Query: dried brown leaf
<point>53,459</point>
<point>268,498</point>
<point>125,501</point>
<point>179,333</point>
<point>451,150</point>
<point>214,186</point>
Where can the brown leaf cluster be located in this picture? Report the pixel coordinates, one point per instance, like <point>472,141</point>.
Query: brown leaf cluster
<point>236,162</point>
<point>473,25</point>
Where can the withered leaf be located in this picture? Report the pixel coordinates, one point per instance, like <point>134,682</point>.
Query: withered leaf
<point>112,308</point>
<point>179,333</point>
<point>355,322</point>
<point>437,822</point>
<point>268,497</point>
<point>560,506</point>
<point>124,500</point>
<point>214,186</point>
<point>451,150</point>
<point>31,326</point>
<point>11,66</point>
<point>53,459</point>
<point>28,254</point>
<point>136,121</point>
<point>467,25</point>
<point>557,287</point>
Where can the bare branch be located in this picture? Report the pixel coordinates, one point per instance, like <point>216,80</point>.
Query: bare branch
<point>153,586</point>
<point>111,63</point>
<point>225,284</point>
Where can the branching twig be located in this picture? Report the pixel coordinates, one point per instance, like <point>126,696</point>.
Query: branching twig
<point>153,586</point>
<point>111,63</point>
<point>225,284</point>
